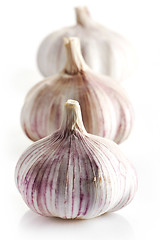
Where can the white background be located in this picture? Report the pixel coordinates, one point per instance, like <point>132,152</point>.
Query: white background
<point>23,24</point>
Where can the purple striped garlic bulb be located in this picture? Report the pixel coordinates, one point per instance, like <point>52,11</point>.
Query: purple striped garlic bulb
<point>73,174</point>
<point>105,51</point>
<point>106,110</point>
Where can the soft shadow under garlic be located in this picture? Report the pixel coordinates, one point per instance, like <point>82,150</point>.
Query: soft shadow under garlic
<point>112,225</point>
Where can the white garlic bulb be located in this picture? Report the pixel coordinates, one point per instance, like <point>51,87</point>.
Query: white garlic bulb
<point>73,174</point>
<point>105,51</point>
<point>106,110</point>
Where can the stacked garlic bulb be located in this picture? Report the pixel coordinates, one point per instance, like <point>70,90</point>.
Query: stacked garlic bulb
<point>73,174</point>
<point>106,110</point>
<point>105,51</point>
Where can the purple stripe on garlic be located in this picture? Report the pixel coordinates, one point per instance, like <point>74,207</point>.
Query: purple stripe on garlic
<point>72,174</point>
<point>105,51</point>
<point>106,110</point>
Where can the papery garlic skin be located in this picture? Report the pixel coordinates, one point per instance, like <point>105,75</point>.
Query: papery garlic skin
<point>72,174</point>
<point>106,110</point>
<point>105,51</point>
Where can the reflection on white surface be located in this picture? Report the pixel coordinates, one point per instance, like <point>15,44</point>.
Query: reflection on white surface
<point>109,226</point>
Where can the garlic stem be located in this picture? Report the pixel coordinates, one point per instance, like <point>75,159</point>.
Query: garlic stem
<point>72,117</point>
<point>74,59</point>
<point>83,16</point>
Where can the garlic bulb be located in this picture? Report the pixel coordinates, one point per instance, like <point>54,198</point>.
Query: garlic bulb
<point>105,51</point>
<point>106,110</point>
<point>73,174</point>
